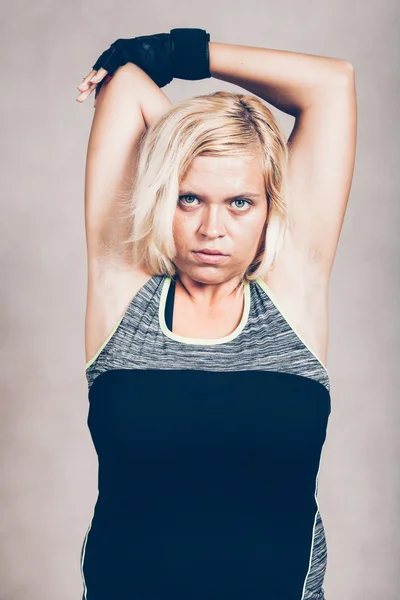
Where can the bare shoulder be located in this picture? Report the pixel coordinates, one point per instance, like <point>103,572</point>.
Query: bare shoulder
<point>111,288</point>
<point>299,287</point>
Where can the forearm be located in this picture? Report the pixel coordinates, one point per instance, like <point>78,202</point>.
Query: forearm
<point>291,81</point>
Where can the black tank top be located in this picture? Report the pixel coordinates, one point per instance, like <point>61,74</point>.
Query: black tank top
<point>209,452</point>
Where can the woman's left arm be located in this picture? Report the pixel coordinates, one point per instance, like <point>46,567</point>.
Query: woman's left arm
<point>320,93</point>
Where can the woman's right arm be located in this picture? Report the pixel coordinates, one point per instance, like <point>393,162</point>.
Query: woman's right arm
<point>125,107</point>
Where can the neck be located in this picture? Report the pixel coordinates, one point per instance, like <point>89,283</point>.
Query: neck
<point>210,294</point>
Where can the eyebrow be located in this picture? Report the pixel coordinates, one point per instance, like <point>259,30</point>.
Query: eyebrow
<point>243,195</point>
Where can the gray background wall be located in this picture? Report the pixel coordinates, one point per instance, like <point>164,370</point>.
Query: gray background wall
<point>48,464</point>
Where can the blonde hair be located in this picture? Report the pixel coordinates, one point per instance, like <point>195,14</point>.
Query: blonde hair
<point>217,124</point>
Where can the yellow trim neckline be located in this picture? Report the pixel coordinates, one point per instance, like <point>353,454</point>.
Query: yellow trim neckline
<point>201,341</point>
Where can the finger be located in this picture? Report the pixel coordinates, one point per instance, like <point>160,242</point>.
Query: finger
<point>101,73</point>
<point>85,81</point>
<point>82,97</point>
<point>94,76</point>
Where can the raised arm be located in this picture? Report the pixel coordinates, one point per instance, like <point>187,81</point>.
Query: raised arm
<point>320,93</point>
<point>124,108</point>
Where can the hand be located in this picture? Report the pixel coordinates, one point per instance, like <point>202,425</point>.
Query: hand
<point>151,53</point>
<point>90,83</point>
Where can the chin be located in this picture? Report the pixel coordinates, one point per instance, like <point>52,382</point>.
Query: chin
<point>206,274</point>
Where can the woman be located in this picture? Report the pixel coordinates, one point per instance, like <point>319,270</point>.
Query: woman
<point>211,240</point>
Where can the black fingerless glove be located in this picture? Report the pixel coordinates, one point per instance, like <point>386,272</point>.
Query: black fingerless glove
<point>183,53</point>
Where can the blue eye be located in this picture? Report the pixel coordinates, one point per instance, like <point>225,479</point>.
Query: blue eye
<point>243,200</point>
<point>185,196</point>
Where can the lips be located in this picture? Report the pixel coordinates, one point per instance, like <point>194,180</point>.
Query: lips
<point>209,258</point>
<point>209,251</point>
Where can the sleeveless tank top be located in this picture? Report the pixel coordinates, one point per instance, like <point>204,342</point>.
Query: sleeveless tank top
<point>209,452</point>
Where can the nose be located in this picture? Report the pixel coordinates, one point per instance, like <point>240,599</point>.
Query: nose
<point>212,222</point>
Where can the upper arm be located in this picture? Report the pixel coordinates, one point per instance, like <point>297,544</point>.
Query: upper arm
<point>320,170</point>
<point>124,109</point>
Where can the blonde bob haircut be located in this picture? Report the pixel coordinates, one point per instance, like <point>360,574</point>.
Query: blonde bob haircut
<point>217,124</point>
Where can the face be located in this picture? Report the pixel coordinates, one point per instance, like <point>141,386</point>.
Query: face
<point>222,206</point>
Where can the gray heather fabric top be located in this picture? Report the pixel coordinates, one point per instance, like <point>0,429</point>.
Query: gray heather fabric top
<point>266,340</point>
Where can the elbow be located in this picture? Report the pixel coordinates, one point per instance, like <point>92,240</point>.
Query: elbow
<point>337,74</point>
<point>344,73</point>
<point>348,70</point>
<point>338,78</point>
